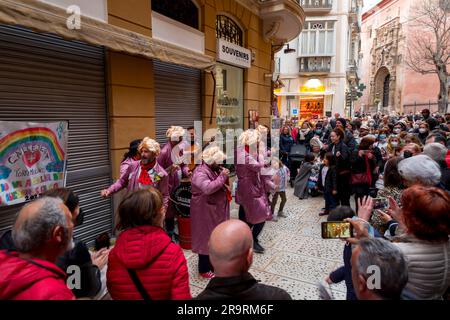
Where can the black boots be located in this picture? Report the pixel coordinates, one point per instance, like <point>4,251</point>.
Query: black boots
<point>257,248</point>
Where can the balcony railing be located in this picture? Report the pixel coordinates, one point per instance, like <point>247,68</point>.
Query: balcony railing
<point>316,5</point>
<point>315,65</point>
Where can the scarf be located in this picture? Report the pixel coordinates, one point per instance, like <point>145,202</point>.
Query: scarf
<point>144,177</point>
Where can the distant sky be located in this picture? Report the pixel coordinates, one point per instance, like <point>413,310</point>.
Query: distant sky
<point>369,4</point>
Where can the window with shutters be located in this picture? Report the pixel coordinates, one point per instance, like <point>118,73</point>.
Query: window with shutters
<point>318,39</point>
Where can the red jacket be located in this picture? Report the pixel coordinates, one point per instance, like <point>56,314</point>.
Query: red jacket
<point>160,266</point>
<point>36,280</point>
<point>447,158</point>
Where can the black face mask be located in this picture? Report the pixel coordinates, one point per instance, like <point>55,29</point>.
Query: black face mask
<point>80,218</point>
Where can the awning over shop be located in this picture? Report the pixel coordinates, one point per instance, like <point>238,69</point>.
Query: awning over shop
<point>304,94</point>
<point>42,17</point>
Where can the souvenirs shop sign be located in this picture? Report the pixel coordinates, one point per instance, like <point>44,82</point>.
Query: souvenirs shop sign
<point>233,54</point>
<point>32,159</point>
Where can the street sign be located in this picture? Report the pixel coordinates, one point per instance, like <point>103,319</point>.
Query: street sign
<point>295,112</point>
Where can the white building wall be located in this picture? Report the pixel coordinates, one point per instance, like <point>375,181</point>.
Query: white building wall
<point>336,80</point>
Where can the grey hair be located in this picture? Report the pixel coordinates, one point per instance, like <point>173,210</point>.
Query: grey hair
<point>420,169</point>
<point>32,233</point>
<point>391,263</point>
<point>435,151</point>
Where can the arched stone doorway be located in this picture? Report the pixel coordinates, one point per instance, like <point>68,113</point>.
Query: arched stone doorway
<point>384,88</point>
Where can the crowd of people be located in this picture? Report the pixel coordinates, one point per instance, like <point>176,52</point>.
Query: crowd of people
<point>397,168</point>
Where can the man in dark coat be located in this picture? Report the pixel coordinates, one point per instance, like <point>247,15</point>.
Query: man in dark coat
<point>231,254</point>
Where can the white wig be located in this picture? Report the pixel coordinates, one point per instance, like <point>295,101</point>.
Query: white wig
<point>250,137</point>
<point>151,145</point>
<point>174,133</point>
<point>421,169</point>
<point>213,155</point>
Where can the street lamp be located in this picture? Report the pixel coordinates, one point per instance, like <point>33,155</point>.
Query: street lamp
<point>289,50</point>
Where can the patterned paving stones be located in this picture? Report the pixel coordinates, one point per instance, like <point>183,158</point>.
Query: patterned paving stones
<point>296,256</point>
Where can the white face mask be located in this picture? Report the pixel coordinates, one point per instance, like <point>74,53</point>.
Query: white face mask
<point>422,130</point>
<point>397,130</point>
<point>394,144</point>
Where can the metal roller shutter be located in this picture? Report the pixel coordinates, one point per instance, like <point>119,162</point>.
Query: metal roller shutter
<point>45,78</point>
<point>177,97</point>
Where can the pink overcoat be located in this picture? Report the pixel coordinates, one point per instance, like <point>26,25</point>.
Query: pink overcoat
<point>165,160</point>
<point>251,190</point>
<point>130,178</point>
<point>209,206</point>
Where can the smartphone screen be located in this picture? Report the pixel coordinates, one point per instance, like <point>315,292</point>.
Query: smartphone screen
<point>380,203</point>
<point>337,230</point>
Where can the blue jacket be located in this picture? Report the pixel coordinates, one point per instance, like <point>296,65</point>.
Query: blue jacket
<point>286,142</point>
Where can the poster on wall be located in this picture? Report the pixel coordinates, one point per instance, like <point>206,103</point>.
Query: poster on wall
<point>253,119</point>
<point>33,159</point>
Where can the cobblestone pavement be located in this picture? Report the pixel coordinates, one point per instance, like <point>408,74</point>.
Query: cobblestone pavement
<point>296,256</point>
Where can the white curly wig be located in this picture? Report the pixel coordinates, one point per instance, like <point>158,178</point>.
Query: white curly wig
<point>213,155</point>
<point>250,137</point>
<point>174,133</point>
<point>151,145</point>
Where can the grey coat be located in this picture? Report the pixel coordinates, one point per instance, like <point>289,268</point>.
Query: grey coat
<point>301,181</point>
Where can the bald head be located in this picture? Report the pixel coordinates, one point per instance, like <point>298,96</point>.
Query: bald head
<point>230,248</point>
<point>36,223</point>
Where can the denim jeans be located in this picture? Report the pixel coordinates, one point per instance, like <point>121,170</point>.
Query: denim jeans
<point>330,201</point>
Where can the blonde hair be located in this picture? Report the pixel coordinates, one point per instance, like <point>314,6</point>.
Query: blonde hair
<point>151,145</point>
<point>174,133</point>
<point>250,137</point>
<point>213,155</point>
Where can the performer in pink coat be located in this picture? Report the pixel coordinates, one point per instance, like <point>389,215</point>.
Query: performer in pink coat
<point>172,160</point>
<point>210,204</point>
<point>143,174</point>
<point>251,192</point>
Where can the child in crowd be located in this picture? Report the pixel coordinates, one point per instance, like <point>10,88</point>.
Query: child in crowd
<point>343,273</point>
<point>281,180</point>
<point>328,182</point>
<point>301,181</point>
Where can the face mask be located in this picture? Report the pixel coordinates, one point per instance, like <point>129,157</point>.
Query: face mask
<point>382,137</point>
<point>422,130</point>
<point>394,144</point>
<point>397,130</point>
<point>319,132</point>
<point>416,126</point>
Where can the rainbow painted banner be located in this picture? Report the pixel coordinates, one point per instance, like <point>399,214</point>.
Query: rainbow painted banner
<point>32,159</point>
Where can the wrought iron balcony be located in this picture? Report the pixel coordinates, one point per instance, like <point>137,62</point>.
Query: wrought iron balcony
<point>314,65</point>
<point>316,5</point>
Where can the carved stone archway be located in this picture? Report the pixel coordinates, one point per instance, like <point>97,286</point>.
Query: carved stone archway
<point>384,88</point>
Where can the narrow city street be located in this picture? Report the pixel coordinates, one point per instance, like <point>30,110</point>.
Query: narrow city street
<point>296,256</point>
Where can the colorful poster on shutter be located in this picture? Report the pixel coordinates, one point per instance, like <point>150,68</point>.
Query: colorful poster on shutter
<point>32,159</point>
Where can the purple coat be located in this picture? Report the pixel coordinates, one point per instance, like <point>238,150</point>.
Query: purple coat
<point>125,164</point>
<point>251,189</point>
<point>165,160</point>
<point>209,206</point>
<point>130,180</point>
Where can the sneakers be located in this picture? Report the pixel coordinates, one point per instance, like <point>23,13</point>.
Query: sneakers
<point>273,219</point>
<point>282,215</point>
<point>207,275</point>
<point>257,248</point>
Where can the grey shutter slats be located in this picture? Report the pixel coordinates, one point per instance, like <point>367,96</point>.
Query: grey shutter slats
<point>177,97</point>
<point>45,78</point>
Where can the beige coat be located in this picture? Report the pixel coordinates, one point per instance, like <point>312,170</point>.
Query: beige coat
<point>428,268</point>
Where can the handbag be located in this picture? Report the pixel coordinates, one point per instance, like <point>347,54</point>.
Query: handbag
<point>362,178</point>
